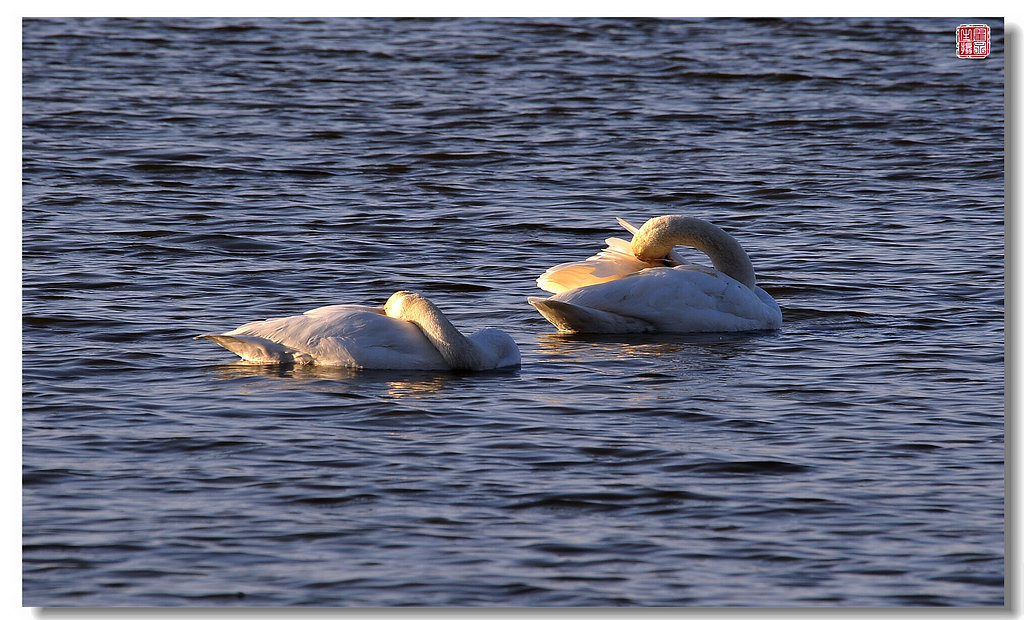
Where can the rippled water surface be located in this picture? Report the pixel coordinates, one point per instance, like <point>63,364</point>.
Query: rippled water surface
<point>186,176</point>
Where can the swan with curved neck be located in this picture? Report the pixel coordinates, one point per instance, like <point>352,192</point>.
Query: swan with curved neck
<point>458,351</point>
<point>656,238</point>
<point>408,332</point>
<point>646,286</point>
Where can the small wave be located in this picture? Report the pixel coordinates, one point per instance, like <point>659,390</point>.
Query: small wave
<point>741,467</point>
<point>803,314</point>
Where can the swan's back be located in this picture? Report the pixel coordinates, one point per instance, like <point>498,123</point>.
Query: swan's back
<point>342,335</point>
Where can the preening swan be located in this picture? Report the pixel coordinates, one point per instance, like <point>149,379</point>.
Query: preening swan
<point>646,285</point>
<point>409,332</point>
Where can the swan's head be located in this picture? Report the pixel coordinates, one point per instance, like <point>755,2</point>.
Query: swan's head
<point>405,303</point>
<point>654,240</point>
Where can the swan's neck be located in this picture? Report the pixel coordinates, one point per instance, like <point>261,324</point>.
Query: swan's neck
<point>459,352</point>
<point>656,237</point>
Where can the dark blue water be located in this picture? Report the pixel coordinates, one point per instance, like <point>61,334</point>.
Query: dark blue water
<point>186,176</point>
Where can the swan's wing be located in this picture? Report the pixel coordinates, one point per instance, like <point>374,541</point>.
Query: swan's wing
<point>613,262</point>
<point>351,336</point>
<point>681,299</point>
<point>378,341</point>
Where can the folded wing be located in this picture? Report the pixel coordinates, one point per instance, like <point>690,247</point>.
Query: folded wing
<point>613,262</point>
<point>351,336</point>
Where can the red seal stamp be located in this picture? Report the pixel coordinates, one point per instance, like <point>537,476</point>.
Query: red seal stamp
<point>973,40</point>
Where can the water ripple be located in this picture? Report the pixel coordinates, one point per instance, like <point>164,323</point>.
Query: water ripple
<point>189,175</point>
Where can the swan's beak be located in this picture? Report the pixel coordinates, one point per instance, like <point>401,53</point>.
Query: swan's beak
<point>660,262</point>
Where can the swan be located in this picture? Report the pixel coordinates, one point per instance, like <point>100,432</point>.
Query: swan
<point>646,285</point>
<point>409,332</point>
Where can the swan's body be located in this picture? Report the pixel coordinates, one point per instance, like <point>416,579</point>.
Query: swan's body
<point>409,332</point>
<point>646,286</point>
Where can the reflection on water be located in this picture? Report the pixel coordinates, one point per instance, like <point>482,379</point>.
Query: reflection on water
<point>397,384</point>
<point>240,369</point>
<point>582,347</point>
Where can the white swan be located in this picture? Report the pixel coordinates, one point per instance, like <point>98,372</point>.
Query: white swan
<point>409,332</point>
<point>646,286</point>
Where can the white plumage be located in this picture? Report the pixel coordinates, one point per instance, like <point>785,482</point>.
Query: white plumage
<point>408,332</point>
<point>646,286</point>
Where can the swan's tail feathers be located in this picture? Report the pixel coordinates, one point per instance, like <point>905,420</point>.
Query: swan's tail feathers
<point>258,350</point>
<point>582,320</point>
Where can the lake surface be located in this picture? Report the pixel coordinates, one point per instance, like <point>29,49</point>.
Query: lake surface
<point>183,176</point>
